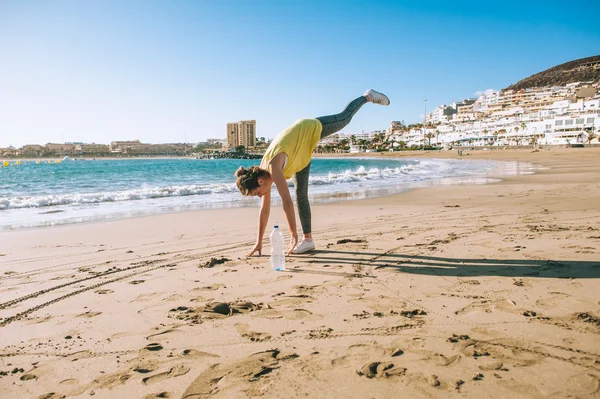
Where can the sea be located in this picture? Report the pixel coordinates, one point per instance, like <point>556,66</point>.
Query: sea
<point>36,194</point>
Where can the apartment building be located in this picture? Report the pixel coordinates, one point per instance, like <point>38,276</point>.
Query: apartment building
<point>67,149</point>
<point>241,133</point>
<point>35,150</point>
<point>95,149</point>
<point>552,116</point>
<point>441,114</point>
<point>9,151</point>
<point>123,147</point>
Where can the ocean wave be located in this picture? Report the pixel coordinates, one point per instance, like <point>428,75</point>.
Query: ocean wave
<point>407,172</point>
<point>116,196</point>
<point>215,192</point>
<point>392,174</point>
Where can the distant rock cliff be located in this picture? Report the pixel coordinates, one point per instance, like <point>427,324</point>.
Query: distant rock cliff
<point>581,70</point>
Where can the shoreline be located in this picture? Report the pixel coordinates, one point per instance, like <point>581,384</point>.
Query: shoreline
<point>75,216</point>
<point>451,290</point>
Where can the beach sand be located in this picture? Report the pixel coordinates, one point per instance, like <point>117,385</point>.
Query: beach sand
<point>466,291</point>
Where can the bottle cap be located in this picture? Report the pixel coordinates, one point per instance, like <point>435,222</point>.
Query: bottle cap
<point>276,226</point>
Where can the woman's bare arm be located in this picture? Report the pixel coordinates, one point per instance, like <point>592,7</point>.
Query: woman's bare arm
<point>263,219</point>
<point>286,198</point>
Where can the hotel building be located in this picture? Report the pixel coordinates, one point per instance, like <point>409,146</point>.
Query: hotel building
<point>241,133</point>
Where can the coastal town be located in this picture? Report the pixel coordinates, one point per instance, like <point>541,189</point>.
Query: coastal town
<point>543,116</point>
<point>561,115</point>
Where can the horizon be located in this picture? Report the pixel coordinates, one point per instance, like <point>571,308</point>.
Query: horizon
<point>162,72</point>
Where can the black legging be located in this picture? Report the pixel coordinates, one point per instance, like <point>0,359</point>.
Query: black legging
<point>331,124</point>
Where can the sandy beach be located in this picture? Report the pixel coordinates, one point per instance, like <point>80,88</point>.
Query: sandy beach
<point>469,291</point>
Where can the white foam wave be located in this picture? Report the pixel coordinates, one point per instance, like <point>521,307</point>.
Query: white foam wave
<point>415,170</point>
<point>116,196</point>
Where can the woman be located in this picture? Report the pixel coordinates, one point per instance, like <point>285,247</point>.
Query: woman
<point>288,155</point>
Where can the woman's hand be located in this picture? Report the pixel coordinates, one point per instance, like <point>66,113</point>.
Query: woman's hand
<point>257,248</point>
<point>294,242</point>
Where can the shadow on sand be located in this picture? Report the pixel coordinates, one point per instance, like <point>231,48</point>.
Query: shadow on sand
<point>327,273</point>
<point>456,267</point>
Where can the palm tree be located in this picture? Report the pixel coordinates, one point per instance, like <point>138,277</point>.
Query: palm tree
<point>362,143</point>
<point>591,136</point>
<point>343,145</point>
<point>429,136</point>
<point>516,132</point>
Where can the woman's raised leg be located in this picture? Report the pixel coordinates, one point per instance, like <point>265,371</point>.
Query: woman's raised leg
<point>335,123</point>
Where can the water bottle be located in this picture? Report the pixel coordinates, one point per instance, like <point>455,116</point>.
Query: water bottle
<point>277,253</point>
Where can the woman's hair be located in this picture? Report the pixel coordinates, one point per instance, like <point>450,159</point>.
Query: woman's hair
<point>247,179</point>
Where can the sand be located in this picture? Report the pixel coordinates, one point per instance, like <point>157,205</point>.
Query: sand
<point>456,291</point>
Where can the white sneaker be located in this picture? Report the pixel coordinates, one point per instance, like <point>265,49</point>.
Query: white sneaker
<point>377,97</point>
<point>304,246</point>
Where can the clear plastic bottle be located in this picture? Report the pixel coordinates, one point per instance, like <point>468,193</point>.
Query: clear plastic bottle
<point>277,252</point>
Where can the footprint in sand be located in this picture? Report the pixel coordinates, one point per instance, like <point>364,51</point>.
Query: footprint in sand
<point>158,395</point>
<point>309,289</point>
<point>110,381</point>
<point>492,365</point>
<point>508,352</point>
<point>300,314</point>
<point>173,372</point>
<point>153,347</point>
<point>276,279</point>
<point>105,291</point>
<point>69,381</point>
<point>583,384</point>
<point>441,360</point>
<point>231,379</point>
<point>136,282</point>
<point>146,297</point>
<point>363,352</point>
<point>381,370</point>
<point>556,299</point>
<point>196,354</point>
<point>294,314</point>
<point>174,297</point>
<point>254,336</point>
<point>51,395</point>
<point>146,366</point>
<point>489,305</point>
<point>381,303</point>
<point>292,300</point>
<point>203,298</point>
<point>165,334</point>
<point>89,314</point>
<point>37,320</point>
<point>212,287</point>
<point>213,310</point>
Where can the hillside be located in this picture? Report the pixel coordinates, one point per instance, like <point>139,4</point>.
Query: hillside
<point>581,70</point>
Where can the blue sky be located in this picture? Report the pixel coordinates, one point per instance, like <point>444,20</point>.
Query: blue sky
<point>169,71</point>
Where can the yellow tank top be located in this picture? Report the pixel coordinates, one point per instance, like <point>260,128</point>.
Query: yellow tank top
<point>298,142</point>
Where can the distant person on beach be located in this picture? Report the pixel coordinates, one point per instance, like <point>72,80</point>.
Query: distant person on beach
<point>289,154</point>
